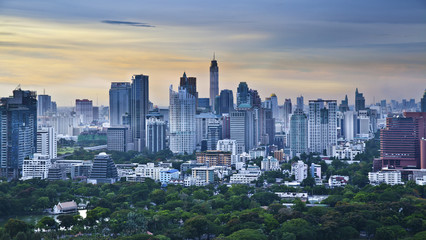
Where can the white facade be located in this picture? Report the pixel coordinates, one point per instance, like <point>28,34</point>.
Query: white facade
<point>149,170</point>
<point>270,164</point>
<point>388,177</point>
<point>257,152</point>
<point>300,171</point>
<point>182,121</point>
<point>155,134</point>
<point>348,150</point>
<point>421,181</point>
<point>38,167</point>
<point>322,125</point>
<point>47,142</point>
<point>316,171</point>
<point>228,145</point>
<point>246,176</point>
<point>202,123</point>
<point>338,181</point>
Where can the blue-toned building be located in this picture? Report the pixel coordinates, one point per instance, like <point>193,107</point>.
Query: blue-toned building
<point>166,176</point>
<point>18,131</point>
<point>119,102</point>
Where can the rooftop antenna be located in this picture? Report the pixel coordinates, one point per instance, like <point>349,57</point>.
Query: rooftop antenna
<point>18,87</point>
<point>214,55</point>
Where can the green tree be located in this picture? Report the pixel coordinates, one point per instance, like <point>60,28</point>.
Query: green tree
<point>247,234</point>
<point>299,227</point>
<point>157,196</point>
<point>66,221</point>
<point>14,226</point>
<point>46,223</point>
<point>384,233</point>
<point>197,226</point>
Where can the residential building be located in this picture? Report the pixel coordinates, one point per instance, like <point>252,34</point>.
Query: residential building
<point>315,171</point>
<point>182,121</point>
<point>167,176</point>
<point>204,174</point>
<point>348,150</point>
<point>270,164</point>
<point>149,170</point>
<point>155,134</point>
<point>300,171</point>
<point>338,181</point>
<point>246,176</point>
<point>322,124</point>
<point>225,102</point>
<point>47,142</point>
<point>387,177</point>
<point>37,167</point>
<point>214,158</point>
<point>18,131</point>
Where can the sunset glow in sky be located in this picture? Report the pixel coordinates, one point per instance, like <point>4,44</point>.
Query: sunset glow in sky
<point>320,49</point>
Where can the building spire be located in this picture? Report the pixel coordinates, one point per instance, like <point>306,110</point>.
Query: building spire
<point>214,56</point>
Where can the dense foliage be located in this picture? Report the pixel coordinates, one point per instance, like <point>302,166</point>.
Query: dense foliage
<point>129,210</point>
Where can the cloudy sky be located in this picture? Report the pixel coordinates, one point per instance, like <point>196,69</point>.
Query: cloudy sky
<point>318,49</point>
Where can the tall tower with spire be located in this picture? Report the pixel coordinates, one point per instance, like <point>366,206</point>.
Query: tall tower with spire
<point>214,81</point>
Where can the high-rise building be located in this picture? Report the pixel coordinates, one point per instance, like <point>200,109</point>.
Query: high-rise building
<point>47,142</point>
<point>344,106</point>
<point>182,121</point>
<point>300,170</point>
<point>400,141</point>
<point>322,125</point>
<point>214,134</point>
<point>119,102</point>
<point>202,123</point>
<point>84,110</point>
<point>298,133</point>
<point>226,102</point>
<point>359,101</point>
<point>243,95</point>
<point>214,82</point>
<point>287,113</point>
<point>423,102</point>
<point>44,105</point>
<point>300,103</point>
<point>214,158</point>
<point>155,134</point>
<point>274,106</point>
<point>103,170</point>
<point>18,131</point>
<point>119,139</point>
<point>139,101</point>
<point>242,127</point>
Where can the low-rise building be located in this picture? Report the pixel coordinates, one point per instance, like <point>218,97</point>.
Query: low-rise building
<point>270,164</point>
<point>348,150</point>
<point>338,181</point>
<point>149,170</point>
<point>38,167</point>
<point>166,176</point>
<point>421,181</point>
<point>293,196</point>
<point>204,174</point>
<point>387,177</point>
<point>214,158</point>
<point>246,176</point>
<point>65,208</point>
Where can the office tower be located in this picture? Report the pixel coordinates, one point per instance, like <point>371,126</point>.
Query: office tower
<point>274,106</point>
<point>18,131</point>
<point>182,121</point>
<point>226,102</point>
<point>119,139</point>
<point>44,105</point>
<point>214,82</point>
<point>226,126</point>
<point>214,134</point>
<point>349,125</point>
<point>204,103</point>
<point>84,110</point>
<point>298,133</point>
<point>119,102</point>
<point>139,101</point>
<point>359,101</point>
<point>255,100</point>
<point>103,170</point>
<point>54,107</point>
<point>269,125</point>
<point>95,114</point>
<point>300,103</point>
<point>47,142</point>
<point>242,127</point>
<point>202,122</point>
<point>363,125</point>
<point>322,125</point>
<point>401,141</point>
<point>423,102</point>
<point>155,134</point>
<point>243,95</point>
<point>287,114</point>
<point>344,106</point>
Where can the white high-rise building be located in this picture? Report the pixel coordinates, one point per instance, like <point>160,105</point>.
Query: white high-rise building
<point>47,142</point>
<point>38,167</point>
<point>300,171</point>
<point>182,121</point>
<point>322,125</point>
<point>349,125</point>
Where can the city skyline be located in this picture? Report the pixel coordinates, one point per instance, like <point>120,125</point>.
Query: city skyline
<point>290,48</point>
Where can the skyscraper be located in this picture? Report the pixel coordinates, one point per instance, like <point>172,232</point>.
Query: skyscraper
<point>274,105</point>
<point>322,125</point>
<point>119,102</point>
<point>182,121</point>
<point>139,101</point>
<point>46,142</point>
<point>298,133</point>
<point>423,102</point>
<point>344,106</point>
<point>287,114</point>
<point>214,82</point>
<point>359,101</point>
<point>300,103</point>
<point>226,102</point>
<point>243,95</point>
<point>155,134</point>
<point>18,131</point>
<point>44,105</point>
<point>84,110</point>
